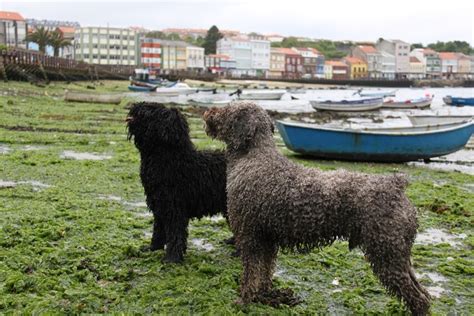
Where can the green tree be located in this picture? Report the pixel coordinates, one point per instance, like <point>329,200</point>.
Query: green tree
<point>41,37</point>
<point>57,41</point>
<point>416,45</point>
<point>210,41</point>
<point>452,46</point>
<point>173,37</point>
<point>156,34</point>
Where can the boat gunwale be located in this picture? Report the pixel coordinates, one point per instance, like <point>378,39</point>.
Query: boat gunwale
<point>464,124</point>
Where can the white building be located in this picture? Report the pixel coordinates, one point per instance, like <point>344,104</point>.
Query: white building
<point>194,57</point>
<point>388,65</point>
<point>252,56</point>
<point>107,46</point>
<point>401,51</point>
<point>13,29</point>
<point>417,68</point>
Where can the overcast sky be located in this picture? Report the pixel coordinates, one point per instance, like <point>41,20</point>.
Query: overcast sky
<point>423,21</point>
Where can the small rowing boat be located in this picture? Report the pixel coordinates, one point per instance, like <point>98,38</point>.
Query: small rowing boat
<point>348,105</point>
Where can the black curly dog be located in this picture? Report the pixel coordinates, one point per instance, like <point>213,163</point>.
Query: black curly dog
<point>180,181</point>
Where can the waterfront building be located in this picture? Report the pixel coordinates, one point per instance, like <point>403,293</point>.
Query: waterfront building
<point>401,51</point>
<point>335,69</point>
<point>219,64</point>
<point>293,63</point>
<point>277,63</point>
<point>239,49</point>
<point>13,29</point>
<point>449,64</point>
<point>357,68</point>
<point>464,66</point>
<point>67,33</point>
<point>372,57</point>
<point>430,60</point>
<point>260,55</point>
<point>107,46</point>
<point>313,61</point>
<point>150,52</point>
<point>194,58</point>
<point>173,55</point>
<point>388,66</point>
<point>417,69</point>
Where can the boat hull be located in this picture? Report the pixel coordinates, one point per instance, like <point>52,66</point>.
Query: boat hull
<point>270,95</point>
<point>349,106</point>
<point>372,146</point>
<point>449,100</point>
<point>141,88</point>
<point>171,92</point>
<point>407,105</point>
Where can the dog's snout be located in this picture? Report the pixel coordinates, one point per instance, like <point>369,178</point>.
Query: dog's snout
<point>129,119</point>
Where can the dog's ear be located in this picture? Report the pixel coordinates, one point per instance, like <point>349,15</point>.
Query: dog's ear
<point>243,130</point>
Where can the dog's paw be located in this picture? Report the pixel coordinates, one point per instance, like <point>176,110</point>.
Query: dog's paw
<point>172,260</point>
<point>229,241</point>
<point>277,297</point>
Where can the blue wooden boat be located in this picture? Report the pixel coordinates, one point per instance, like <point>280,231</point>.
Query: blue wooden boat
<point>135,88</point>
<point>449,100</point>
<point>384,145</point>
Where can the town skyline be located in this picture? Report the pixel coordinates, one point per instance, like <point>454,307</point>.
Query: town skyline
<point>424,27</point>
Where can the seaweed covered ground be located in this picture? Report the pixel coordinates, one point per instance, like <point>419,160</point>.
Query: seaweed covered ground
<point>73,221</point>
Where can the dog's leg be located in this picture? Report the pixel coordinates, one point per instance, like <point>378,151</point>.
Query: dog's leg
<point>176,238</point>
<point>258,258</point>
<point>158,240</point>
<point>397,275</point>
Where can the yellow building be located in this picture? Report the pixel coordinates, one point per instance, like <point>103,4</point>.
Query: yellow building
<point>173,55</point>
<point>357,68</point>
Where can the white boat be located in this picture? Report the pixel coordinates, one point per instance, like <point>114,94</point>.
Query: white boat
<point>348,105</point>
<point>300,90</point>
<point>408,104</point>
<point>376,93</point>
<point>209,103</point>
<point>175,90</point>
<point>261,94</point>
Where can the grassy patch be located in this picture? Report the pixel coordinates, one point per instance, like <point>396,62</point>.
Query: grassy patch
<point>71,230</point>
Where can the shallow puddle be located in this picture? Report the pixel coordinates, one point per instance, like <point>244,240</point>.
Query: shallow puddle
<point>438,236</point>
<point>4,149</point>
<point>68,154</point>
<point>202,244</point>
<point>35,184</point>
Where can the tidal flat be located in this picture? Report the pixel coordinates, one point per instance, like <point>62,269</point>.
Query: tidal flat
<point>73,222</point>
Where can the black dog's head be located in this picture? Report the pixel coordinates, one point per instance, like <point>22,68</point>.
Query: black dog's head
<point>239,125</point>
<point>153,125</point>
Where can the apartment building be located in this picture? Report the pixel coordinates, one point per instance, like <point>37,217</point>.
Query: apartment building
<point>13,29</point>
<point>401,52</point>
<point>107,46</point>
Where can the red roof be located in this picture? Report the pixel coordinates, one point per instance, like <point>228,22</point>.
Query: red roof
<point>448,55</point>
<point>367,49</point>
<point>11,16</point>
<point>335,63</point>
<point>414,60</point>
<point>288,51</point>
<point>354,60</point>
<point>66,29</point>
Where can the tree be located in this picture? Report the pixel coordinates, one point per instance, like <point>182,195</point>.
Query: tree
<point>156,34</point>
<point>57,41</point>
<point>210,41</point>
<point>416,45</point>
<point>173,37</point>
<point>40,37</point>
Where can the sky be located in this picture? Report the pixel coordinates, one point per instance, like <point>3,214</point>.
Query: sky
<point>414,21</point>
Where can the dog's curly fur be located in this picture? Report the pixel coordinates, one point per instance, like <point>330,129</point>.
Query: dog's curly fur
<point>274,203</point>
<point>180,182</point>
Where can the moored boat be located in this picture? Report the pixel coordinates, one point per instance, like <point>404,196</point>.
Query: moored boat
<point>419,103</point>
<point>176,89</point>
<point>438,119</point>
<point>376,93</point>
<point>209,103</point>
<point>266,94</point>
<point>348,105</point>
<point>142,88</point>
<point>449,100</point>
<point>380,145</point>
